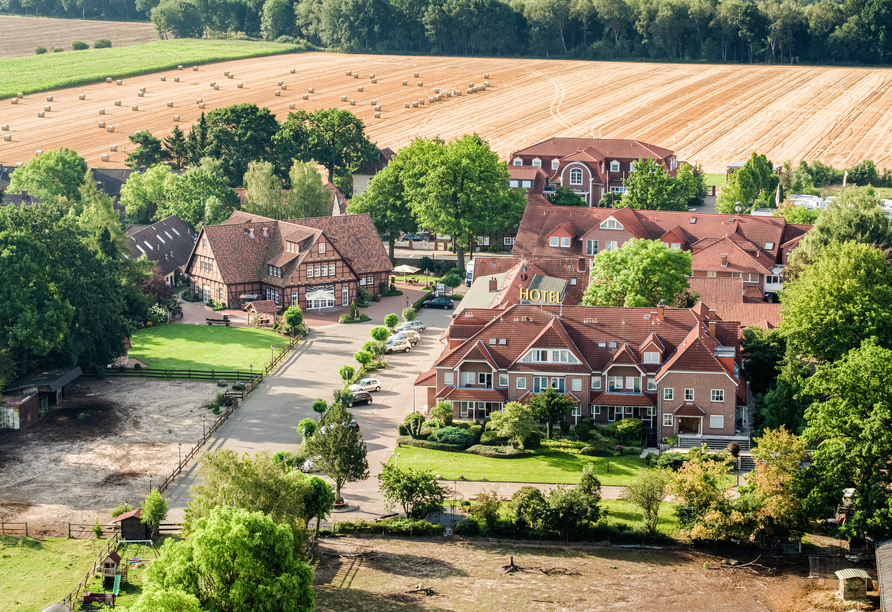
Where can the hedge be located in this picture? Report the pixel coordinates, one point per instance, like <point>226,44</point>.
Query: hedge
<point>410,441</point>
<point>392,526</point>
<point>417,304</point>
<point>498,452</point>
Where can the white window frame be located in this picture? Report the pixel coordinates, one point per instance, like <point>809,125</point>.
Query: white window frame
<point>717,395</point>
<point>555,164</point>
<point>317,271</point>
<point>632,382</point>
<point>577,411</point>
<point>449,378</point>
<point>538,379</point>
<point>689,395</point>
<point>769,246</point>
<point>668,394</point>
<point>508,241</point>
<point>345,296</point>
<point>596,409</point>
<point>576,384</point>
<point>632,166</point>
<point>309,271</point>
<point>614,166</point>
<point>611,245</point>
<point>629,410</point>
<point>537,163</point>
<point>651,384</point>
<point>667,420</point>
<point>614,383</point>
<point>331,269</point>
<point>591,247</point>
<point>481,379</point>
<point>518,161</point>
<point>554,241</point>
<point>521,382</point>
<point>710,274</point>
<point>321,248</point>
<point>716,421</point>
<point>576,176</point>
<point>463,409</point>
<point>611,224</point>
<point>503,380</point>
<point>596,383</point>
<point>651,357</point>
<point>565,242</point>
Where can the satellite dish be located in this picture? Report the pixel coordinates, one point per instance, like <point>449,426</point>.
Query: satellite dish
<point>57,607</point>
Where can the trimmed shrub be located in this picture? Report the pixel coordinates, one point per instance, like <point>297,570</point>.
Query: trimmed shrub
<point>402,430</point>
<point>533,442</point>
<point>734,448</point>
<point>393,526</point>
<point>452,435</point>
<point>673,461</point>
<point>564,426</point>
<point>462,425</point>
<point>476,431</point>
<point>632,450</point>
<point>491,438</point>
<point>101,43</point>
<point>39,50</point>
<point>79,46</point>
<point>468,527</point>
<point>58,49</point>
<point>499,452</point>
<point>583,429</point>
<point>421,443</point>
<point>593,451</point>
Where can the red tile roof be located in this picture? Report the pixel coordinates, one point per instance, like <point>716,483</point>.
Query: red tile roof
<point>526,172</point>
<point>427,379</point>
<point>136,512</point>
<point>738,260</point>
<point>621,399</point>
<point>688,409</point>
<point>726,296</point>
<point>356,238</point>
<point>471,394</point>
<point>264,306</point>
<point>599,147</point>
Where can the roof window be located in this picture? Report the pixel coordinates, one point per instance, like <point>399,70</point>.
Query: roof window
<point>602,344</point>
<point>492,341</point>
<point>175,231</point>
<point>769,246</point>
<point>503,341</point>
<point>693,220</point>
<point>148,245</point>
<point>158,236</point>
<point>613,344</point>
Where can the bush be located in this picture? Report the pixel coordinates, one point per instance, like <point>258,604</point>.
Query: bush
<point>452,435</point>
<point>492,438</point>
<point>156,314</point>
<point>494,247</point>
<point>58,49</point>
<point>673,461</point>
<point>392,526</point>
<point>120,509</point>
<point>564,426</point>
<point>533,442</point>
<point>101,43</point>
<point>79,46</point>
<point>387,292</point>
<point>734,448</point>
<point>572,446</point>
<point>40,50</point>
<point>97,529</point>
<point>468,527</point>
<point>307,427</point>
<point>409,314</point>
<point>583,429</point>
<point>422,443</point>
<point>594,451</point>
<point>402,430</point>
<point>499,452</point>
<point>476,431</point>
<point>486,507</point>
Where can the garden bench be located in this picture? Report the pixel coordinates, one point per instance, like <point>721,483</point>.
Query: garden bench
<point>218,322</point>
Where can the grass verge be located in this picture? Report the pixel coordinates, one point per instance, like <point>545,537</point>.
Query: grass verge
<point>545,466</point>
<point>57,70</point>
<point>36,573</point>
<point>716,179</point>
<point>205,347</point>
<point>630,515</point>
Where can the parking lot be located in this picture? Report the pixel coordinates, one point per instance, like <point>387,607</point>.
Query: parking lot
<point>269,417</point>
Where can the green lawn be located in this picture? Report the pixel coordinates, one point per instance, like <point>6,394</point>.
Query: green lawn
<point>56,70</point>
<point>204,347</point>
<point>716,179</point>
<point>36,573</point>
<point>546,466</point>
<point>624,513</point>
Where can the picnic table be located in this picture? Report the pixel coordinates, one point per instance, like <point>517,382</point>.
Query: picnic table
<point>224,321</point>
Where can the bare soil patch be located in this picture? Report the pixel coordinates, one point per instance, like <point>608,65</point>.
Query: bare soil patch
<point>97,450</point>
<point>378,574</point>
<point>709,114</point>
<point>20,35</point>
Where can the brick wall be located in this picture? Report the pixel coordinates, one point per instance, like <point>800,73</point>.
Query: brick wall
<point>702,384</point>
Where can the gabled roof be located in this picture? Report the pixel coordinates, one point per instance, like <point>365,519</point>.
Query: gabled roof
<point>567,226</point>
<point>689,409</point>
<point>624,356</point>
<point>652,337</point>
<point>356,238</point>
<point>693,355</point>
<point>110,180</point>
<point>337,199</point>
<point>384,157</point>
<point>526,172</point>
<point>17,199</point>
<point>135,513</point>
<point>264,306</point>
<point>604,147</point>
<point>479,352</point>
<point>427,378</point>
<point>738,260</point>
<point>167,242</point>
<point>621,399</point>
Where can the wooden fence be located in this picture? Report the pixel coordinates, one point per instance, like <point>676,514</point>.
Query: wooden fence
<point>79,530</point>
<point>14,529</point>
<point>169,528</point>
<point>73,599</point>
<point>166,374</point>
<point>278,358</point>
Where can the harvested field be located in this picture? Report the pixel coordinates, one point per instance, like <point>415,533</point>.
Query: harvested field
<point>377,574</point>
<point>97,450</point>
<point>707,114</point>
<point>20,35</point>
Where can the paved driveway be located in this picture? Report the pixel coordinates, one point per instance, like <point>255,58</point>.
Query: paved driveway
<point>269,417</point>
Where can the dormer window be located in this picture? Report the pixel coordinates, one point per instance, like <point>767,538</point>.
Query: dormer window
<point>576,176</point>
<point>275,271</point>
<point>321,248</point>
<point>550,356</point>
<point>292,247</point>
<point>651,357</point>
<point>565,242</point>
<point>632,166</point>
<point>555,164</point>
<point>518,161</point>
<point>554,241</point>
<point>614,166</point>
<point>611,223</point>
<point>537,163</point>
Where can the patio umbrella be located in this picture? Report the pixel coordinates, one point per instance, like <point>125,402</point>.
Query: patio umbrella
<point>406,269</point>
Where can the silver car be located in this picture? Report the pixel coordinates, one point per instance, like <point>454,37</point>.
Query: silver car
<point>397,344</point>
<point>417,326</point>
<point>411,336</point>
<point>366,384</point>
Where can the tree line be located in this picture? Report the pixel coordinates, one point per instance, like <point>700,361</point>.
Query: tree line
<point>773,31</point>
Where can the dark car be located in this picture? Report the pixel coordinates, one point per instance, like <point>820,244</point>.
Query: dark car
<point>361,397</point>
<point>414,237</point>
<point>441,302</point>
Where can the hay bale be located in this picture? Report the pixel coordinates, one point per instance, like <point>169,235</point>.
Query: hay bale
<point>359,89</point>
<point>486,76</point>
<point>343,98</point>
<point>291,105</point>
<point>170,104</point>
<point>405,82</point>
<point>349,73</point>
<point>142,88</point>
<point>102,124</point>
<point>239,85</point>
<point>377,115</point>
<point>176,118</point>
<point>119,82</point>
<point>117,103</point>
<point>377,108</point>
<point>49,98</point>
<point>176,79</point>
<point>38,152</point>
<point>430,100</point>
<point>231,76</point>
<point>414,104</point>
<point>140,94</point>
<point>113,148</point>
<point>420,83</point>
<point>225,73</point>
<point>110,128</point>
<point>292,71</point>
<point>310,90</point>
<point>405,105</point>
<point>47,108</point>
<point>421,102</point>
<point>198,100</point>
<point>371,76</point>
<point>277,92</point>
<point>486,83</point>
<point>374,80</point>
<point>108,80</point>
<point>194,68</point>
<point>279,83</point>
<point>284,85</point>
<point>306,97</point>
<point>4,127</point>
<point>180,67</point>
<point>436,90</point>
<point>216,88</point>
<point>201,106</point>
<point>101,111</point>
<point>215,82</point>
<point>15,100</point>
<point>41,114</point>
<point>134,107</point>
<point>352,102</point>
<point>105,157</point>
<point>164,78</point>
<point>7,137</point>
<point>374,102</point>
<point>82,97</point>
<point>355,75</point>
<point>416,75</point>
<point>20,95</point>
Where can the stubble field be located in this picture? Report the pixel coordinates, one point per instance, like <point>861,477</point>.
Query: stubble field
<point>20,35</point>
<point>707,114</point>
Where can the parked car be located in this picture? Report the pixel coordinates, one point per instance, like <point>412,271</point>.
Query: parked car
<point>440,302</point>
<point>361,397</point>
<point>411,336</point>
<point>307,466</point>
<point>397,344</point>
<point>366,384</point>
<point>414,237</point>
<point>418,326</point>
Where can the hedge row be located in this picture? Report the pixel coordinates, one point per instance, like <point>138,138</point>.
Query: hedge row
<point>410,441</point>
<point>392,526</point>
<point>500,452</point>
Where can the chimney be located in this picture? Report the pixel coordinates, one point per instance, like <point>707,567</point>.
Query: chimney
<point>724,260</point>
<point>493,284</point>
<point>712,329</point>
<point>582,264</point>
<point>660,311</point>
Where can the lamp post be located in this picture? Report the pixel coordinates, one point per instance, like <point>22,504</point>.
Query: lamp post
<point>203,431</point>
<point>150,483</point>
<point>271,354</point>
<point>396,457</point>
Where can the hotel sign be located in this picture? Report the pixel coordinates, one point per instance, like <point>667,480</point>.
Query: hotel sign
<point>536,295</point>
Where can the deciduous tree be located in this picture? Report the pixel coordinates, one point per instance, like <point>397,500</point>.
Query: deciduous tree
<point>417,492</point>
<point>338,450</point>
<point>647,492</point>
<point>189,195</point>
<point>154,511</point>
<point>51,176</point>
<point>856,215</point>
<point>263,190</point>
<point>144,193</point>
<point>515,422</point>
<point>652,188</point>
<point>746,184</point>
<point>387,203</point>
<point>308,196</point>
<point>564,196</point>
<point>149,151</point>
<point>240,134</point>
<point>549,406</point>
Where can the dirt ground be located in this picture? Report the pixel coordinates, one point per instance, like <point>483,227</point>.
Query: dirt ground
<point>707,114</point>
<point>20,35</point>
<point>465,576</point>
<point>97,450</point>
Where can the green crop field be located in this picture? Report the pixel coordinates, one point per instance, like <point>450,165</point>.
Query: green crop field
<point>56,70</point>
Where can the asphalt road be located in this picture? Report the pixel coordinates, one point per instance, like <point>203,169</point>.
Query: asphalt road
<point>269,416</point>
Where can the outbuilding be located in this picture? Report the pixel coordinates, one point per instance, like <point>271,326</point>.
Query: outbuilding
<point>132,527</point>
<point>884,574</point>
<point>853,583</point>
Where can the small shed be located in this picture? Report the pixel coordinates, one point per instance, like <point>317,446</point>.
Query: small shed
<point>884,574</point>
<point>853,583</point>
<point>49,384</point>
<point>132,527</point>
<point>266,310</point>
<point>111,564</point>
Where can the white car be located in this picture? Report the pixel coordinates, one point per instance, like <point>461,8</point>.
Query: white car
<point>366,384</point>
<point>397,344</point>
<point>411,336</point>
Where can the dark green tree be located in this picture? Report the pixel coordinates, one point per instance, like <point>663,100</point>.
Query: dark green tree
<point>550,406</point>
<point>387,203</point>
<point>240,134</point>
<point>191,194</point>
<point>765,350</point>
<point>652,188</point>
<point>149,151</point>
<point>417,492</point>
<point>756,178</point>
<point>51,176</point>
<point>855,215</point>
<point>338,450</point>
<point>175,146</point>
<point>197,141</point>
<point>564,196</point>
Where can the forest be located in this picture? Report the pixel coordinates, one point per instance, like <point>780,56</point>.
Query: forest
<point>767,31</point>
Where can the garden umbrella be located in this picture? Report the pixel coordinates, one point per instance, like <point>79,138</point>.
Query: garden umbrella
<point>405,269</point>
